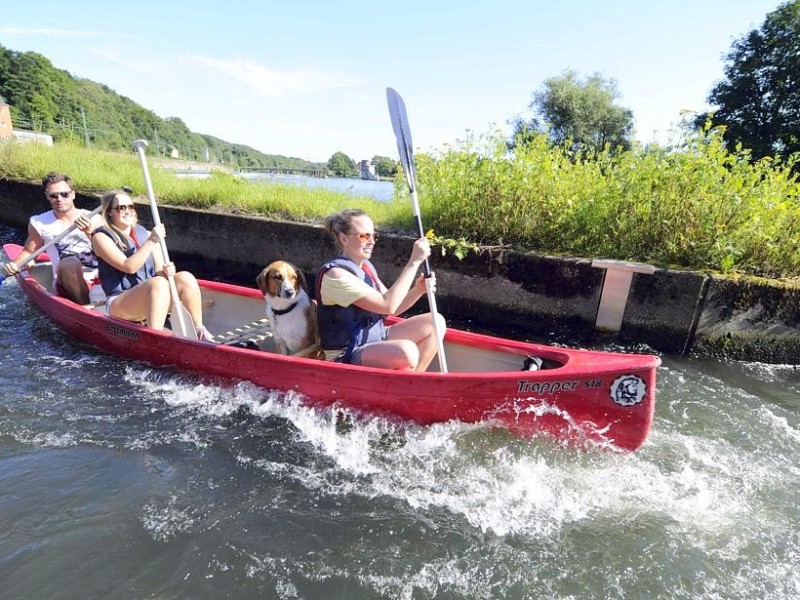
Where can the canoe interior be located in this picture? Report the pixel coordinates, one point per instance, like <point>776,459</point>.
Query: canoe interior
<point>235,314</point>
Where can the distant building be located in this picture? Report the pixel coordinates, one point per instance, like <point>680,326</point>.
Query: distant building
<point>367,170</point>
<point>33,136</point>
<point>8,132</point>
<point>6,129</point>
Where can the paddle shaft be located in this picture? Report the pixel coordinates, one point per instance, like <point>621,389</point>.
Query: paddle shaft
<point>402,132</point>
<point>180,310</point>
<point>34,255</point>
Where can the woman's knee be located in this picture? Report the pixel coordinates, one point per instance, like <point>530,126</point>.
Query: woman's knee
<point>441,324</point>
<point>184,278</point>
<point>158,288</point>
<point>410,352</point>
<point>186,283</point>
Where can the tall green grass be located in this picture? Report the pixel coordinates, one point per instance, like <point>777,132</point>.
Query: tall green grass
<point>97,171</point>
<point>692,205</point>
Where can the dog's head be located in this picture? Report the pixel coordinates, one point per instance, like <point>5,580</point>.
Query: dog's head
<point>281,279</point>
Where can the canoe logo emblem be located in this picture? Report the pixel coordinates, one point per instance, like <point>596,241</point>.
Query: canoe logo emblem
<point>628,390</point>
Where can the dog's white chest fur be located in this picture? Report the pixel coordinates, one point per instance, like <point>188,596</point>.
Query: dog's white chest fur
<point>291,328</point>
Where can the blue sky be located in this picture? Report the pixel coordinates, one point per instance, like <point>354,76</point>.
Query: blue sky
<point>307,78</point>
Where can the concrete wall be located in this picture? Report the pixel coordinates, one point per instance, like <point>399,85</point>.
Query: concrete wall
<point>520,294</point>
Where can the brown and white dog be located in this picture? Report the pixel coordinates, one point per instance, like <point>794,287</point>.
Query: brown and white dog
<point>292,314</point>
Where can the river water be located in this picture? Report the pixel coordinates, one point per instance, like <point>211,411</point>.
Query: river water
<point>126,481</point>
<point>380,190</point>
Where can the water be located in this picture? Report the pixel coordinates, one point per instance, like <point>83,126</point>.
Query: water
<point>380,190</point>
<point>120,479</point>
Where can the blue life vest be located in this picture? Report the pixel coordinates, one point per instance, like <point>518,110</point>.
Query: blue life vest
<point>347,327</point>
<point>115,281</point>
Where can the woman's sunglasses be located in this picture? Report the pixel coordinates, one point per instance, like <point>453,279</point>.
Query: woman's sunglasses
<point>125,207</point>
<point>364,237</point>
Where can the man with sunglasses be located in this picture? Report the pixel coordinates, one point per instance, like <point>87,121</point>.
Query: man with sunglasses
<point>74,263</point>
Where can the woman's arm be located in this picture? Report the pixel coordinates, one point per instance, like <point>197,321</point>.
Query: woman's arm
<point>415,293</point>
<point>400,296</point>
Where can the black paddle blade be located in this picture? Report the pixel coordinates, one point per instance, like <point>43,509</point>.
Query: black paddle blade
<point>402,133</point>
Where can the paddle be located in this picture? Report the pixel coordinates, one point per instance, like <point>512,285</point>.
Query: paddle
<point>185,327</point>
<point>50,244</point>
<point>397,113</point>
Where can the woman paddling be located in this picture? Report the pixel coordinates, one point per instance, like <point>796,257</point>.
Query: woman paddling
<point>129,261</point>
<point>352,301</point>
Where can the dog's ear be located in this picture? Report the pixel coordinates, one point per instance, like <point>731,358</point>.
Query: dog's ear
<point>302,279</point>
<point>261,281</point>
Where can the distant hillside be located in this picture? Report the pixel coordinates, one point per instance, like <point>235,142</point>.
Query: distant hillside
<point>43,98</point>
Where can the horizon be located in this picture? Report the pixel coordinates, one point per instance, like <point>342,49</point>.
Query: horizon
<point>308,80</point>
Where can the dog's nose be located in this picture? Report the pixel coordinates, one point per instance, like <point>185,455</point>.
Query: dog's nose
<point>287,291</point>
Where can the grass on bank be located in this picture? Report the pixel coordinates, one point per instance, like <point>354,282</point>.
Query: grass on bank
<point>95,171</point>
<point>693,205</point>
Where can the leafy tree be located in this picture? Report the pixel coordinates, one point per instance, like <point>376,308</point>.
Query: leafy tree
<point>580,112</point>
<point>384,166</point>
<point>759,100</point>
<point>342,165</point>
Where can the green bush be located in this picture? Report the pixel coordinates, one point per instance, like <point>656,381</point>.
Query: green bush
<point>694,205</point>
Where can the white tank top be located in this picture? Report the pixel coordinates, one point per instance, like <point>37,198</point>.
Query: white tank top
<point>74,244</point>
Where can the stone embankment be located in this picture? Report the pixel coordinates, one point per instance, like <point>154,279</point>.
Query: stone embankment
<point>572,299</point>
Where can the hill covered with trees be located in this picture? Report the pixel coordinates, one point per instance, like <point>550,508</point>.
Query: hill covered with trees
<point>44,98</point>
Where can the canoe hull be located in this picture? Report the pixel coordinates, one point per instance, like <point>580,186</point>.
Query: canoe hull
<point>593,397</point>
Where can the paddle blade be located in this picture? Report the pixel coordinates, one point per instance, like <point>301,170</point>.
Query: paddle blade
<point>182,322</point>
<point>402,133</point>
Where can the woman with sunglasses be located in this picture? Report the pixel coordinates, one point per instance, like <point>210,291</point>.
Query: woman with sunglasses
<point>130,259</point>
<point>352,302</point>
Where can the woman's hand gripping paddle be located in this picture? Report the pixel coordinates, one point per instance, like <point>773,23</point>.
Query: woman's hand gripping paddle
<point>185,324</point>
<point>397,113</point>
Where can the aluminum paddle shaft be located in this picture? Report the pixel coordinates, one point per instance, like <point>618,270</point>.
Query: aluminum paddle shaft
<point>402,132</point>
<point>184,318</point>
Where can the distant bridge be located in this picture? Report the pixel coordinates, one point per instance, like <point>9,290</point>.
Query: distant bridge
<point>310,172</point>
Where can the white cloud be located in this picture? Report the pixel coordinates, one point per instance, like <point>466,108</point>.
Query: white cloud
<point>60,32</point>
<point>273,83</point>
<point>140,66</point>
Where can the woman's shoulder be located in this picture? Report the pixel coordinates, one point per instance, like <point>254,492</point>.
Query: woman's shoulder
<point>102,229</point>
<point>339,273</point>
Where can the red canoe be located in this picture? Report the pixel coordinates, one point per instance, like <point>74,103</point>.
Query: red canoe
<point>582,397</point>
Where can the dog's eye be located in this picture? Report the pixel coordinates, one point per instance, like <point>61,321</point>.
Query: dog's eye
<point>277,277</point>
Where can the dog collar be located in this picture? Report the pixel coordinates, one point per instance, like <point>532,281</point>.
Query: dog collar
<point>278,313</point>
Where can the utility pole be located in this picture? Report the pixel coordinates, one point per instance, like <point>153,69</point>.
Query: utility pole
<point>155,135</point>
<point>85,129</point>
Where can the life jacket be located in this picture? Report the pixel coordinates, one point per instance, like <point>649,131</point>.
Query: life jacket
<point>115,281</point>
<point>347,327</point>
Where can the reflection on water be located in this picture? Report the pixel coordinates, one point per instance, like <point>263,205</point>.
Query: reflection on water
<point>119,476</point>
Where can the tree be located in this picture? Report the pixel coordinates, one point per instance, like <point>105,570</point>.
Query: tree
<point>581,112</point>
<point>759,100</point>
<point>384,166</point>
<point>50,99</point>
<point>342,165</point>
